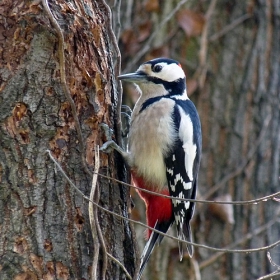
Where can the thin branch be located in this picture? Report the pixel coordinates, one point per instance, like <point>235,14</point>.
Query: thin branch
<point>94,223</point>
<point>64,83</point>
<point>101,239</point>
<point>202,69</point>
<point>243,202</point>
<point>117,20</point>
<point>117,72</point>
<point>229,27</point>
<point>96,244</point>
<point>66,177</point>
<point>120,264</point>
<point>146,47</point>
<point>272,262</point>
<point>246,238</point>
<point>270,276</point>
<point>226,250</point>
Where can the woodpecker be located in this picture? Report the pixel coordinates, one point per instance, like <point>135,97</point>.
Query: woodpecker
<point>164,150</point>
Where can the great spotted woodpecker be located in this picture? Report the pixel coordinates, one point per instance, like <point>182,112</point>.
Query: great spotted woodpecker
<point>164,149</point>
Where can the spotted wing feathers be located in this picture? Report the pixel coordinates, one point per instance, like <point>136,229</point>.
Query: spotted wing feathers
<point>182,167</point>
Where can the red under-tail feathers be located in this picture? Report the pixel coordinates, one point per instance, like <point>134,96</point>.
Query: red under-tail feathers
<point>159,216</point>
<point>158,209</point>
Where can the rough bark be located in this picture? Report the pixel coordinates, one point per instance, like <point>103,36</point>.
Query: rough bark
<point>44,222</point>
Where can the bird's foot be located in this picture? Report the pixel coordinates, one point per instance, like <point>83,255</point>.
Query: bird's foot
<point>125,116</point>
<point>110,144</point>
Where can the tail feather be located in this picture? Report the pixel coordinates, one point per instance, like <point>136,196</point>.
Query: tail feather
<point>149,247</point>
<point>188,235</point>
<point>185,233</point>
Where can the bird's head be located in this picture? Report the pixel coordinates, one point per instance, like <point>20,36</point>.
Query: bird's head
<point>161,75</point>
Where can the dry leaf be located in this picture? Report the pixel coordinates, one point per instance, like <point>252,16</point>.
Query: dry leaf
<point>144,30</point>
<point>191,22</point>
<point>223,211</point>
<point>152,5</point>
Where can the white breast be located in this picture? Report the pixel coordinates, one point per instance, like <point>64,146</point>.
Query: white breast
<point>151,135</point>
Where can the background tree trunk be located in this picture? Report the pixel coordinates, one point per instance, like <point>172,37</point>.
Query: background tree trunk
<point>44,222</point>
<point>230,51</point>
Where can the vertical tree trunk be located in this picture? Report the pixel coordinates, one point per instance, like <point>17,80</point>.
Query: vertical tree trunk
<point>241,139</point>
<point>44,222</point>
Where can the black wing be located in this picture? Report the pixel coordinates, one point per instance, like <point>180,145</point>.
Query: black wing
<point>182,164</point>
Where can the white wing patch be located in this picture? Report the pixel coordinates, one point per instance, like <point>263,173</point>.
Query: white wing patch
<point>170,171</point>
<point>186,136</point>
<point>178,178</point>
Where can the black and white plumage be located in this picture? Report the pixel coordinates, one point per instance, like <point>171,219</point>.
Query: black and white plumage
<point>164,149</point>
<point>182,168</point>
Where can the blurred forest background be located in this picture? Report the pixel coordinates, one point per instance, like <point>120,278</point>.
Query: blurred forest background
<point>230,51</point>
<point>58,66</point>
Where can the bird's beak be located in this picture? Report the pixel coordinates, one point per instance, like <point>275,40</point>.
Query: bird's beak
<point>134,77</point>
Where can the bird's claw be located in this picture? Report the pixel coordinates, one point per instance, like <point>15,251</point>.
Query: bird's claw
<point>107,147</point>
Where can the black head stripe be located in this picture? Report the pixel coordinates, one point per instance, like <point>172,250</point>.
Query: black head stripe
<point>153,100</point>
<point>161,60</point>
<point>175,88</point>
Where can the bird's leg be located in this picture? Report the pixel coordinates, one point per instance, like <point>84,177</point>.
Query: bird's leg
<point>111,145</point>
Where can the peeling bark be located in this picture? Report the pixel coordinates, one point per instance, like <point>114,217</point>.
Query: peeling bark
<point>45,231</point>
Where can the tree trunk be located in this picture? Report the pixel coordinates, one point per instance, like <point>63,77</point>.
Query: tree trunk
<point>45,228</point>
<point>241,139</point>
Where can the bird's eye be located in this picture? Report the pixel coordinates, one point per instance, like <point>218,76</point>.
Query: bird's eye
<point>157,68</point>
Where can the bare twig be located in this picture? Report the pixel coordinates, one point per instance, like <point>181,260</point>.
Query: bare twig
<point>243,202</point>
<point>275,275</point>
<point>120,264</point>
<point>116,18</point>
<point>202,70</point>
<point>246,238</point>
<point>64,83</point>
<point>225,250</point>
<point>147,45</point>
<point>101,239</point>
<point>272,262</point>
<point>117,72</point>
<point>95,227</point>
<point>229,27</point>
